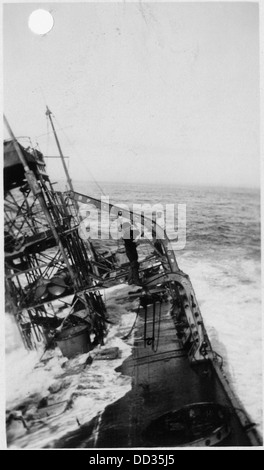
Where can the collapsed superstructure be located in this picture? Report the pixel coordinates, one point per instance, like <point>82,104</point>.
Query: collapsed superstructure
<point>50,268</point>
<point>54,282</point>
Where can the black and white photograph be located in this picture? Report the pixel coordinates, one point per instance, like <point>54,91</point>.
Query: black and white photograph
<point>131,228</point>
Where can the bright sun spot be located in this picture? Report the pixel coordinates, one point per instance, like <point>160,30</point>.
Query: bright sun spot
<point>40,22</point>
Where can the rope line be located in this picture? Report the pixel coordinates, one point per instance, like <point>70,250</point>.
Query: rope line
<point>79,155</point>
<point>133,326</point>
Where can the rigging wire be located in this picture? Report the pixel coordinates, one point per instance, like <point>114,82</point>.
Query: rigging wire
<point>51,132</point>
<point>79,155</point>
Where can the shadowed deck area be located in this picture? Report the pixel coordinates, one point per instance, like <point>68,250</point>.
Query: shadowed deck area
<point>162,381</point>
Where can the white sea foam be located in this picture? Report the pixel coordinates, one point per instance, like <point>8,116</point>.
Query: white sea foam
<point>88,389</point>
<point>232,315</point>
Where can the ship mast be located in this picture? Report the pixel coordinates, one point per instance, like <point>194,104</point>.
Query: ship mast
<point>49,114</point>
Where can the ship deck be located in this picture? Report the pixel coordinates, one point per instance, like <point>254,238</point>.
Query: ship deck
<point>163,380</point>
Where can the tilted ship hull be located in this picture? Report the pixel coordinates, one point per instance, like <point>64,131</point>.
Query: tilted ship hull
<point>172,402</point>
<point>179,394</point>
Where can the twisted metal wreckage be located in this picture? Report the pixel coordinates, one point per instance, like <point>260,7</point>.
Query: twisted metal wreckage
<point>54,281</point>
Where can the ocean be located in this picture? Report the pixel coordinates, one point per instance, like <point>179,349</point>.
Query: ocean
<point>222,256</point>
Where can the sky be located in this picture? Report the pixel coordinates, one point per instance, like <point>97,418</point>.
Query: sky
<point>140,92</point>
